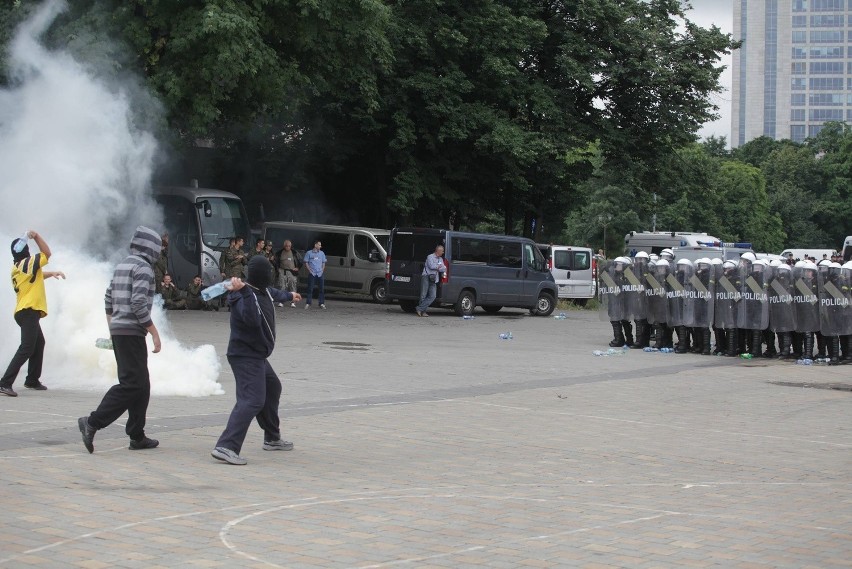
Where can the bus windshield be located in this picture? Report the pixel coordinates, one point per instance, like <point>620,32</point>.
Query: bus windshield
<point>222,219</point>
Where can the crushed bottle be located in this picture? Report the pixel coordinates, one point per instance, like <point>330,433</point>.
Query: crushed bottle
<point>561,316</point>
<point>103,343</point>
<point>506,336</point>
<point>468,317</point>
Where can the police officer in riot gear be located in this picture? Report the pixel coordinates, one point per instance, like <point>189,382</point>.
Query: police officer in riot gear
<point>677,286</point>
<point>637,299</point>
<point>700,304</point>
<point>728,302</point>
<point>719,333</point>
<point>806,306</point>
<point>835,301</point>
<point>614,302</point>
<point>753,314</point>
<point>782,314</point>
<point>655,292</point>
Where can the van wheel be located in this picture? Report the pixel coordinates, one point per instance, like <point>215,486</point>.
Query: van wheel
<point>408,306</point>
<point>544,306</point>
<point>379,292</point>
<point>466,303</point>
<point>492,309</point>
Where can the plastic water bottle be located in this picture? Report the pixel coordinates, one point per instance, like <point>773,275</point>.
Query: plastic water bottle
<point>217,289</point>
<point>103,343</point>
<point>467,317</point>
<point>598,353</point>
<point>649,349</point>
<point>561,316</point>
<point>805,362</point>
<point>666,350</point>
<point>506,336</point>
<point>21,242</point>
<point>746,356</point>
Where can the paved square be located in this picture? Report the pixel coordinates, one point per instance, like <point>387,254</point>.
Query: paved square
<point>433,443</point>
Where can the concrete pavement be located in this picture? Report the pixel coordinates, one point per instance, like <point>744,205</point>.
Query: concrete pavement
<point>433,443</point>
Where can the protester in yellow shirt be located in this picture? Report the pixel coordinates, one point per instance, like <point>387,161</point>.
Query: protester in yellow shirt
<point>28,276</point>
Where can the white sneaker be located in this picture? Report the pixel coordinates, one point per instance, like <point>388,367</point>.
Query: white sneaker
<point>292,305</point>
<point>227,455</point>
<point>307,306</point>
<point>322,306</point>
<point>277,445</point>
<point>280,305</point>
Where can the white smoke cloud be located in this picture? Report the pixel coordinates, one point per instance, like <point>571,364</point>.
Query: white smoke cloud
<point>77,170</point>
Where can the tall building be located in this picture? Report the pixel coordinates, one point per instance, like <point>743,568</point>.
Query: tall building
<point>794,70</point>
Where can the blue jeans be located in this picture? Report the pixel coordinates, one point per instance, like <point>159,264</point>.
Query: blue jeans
<point>428,291</point>
<point>320,283</point>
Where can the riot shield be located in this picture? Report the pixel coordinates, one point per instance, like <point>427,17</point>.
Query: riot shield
<point>612,298</point>
<point>700,298</point>
<point>727,298</point>
<point>806,299</point>
<point>782,314</point>
<point>677,285</point>
<point>753,313</point>
<point>634,290</point>
<point>834,301</point>
<point>655,293</point>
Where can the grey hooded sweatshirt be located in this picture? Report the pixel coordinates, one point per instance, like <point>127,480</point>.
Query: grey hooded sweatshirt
<point>130,294</point>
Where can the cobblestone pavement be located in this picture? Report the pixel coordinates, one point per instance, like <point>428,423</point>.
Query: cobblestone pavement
<point>433,443</point>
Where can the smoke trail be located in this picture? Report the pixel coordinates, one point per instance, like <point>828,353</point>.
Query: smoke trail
<point>77,170</point>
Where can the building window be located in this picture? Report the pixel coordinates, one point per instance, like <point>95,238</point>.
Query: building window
<point>800,37</point>
<point>800,5</point>
<point>826,68</point>
<point>798,100</point>
<point>827,6</point>
<point>826,99</point>
<point>797,132</point>
<point>797,114</point>
<point>800,21</point>
<point>798,68</point>
<point>849,115</point>
<point>825,114</point>
<point>833,52</point>
<point>825,36</point>
<point>798,84</point>
<point>826,84</point>
<point>800,53</point>
<point>826,21</point>
<point>813,130</point>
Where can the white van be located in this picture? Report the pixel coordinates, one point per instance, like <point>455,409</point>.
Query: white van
<point>800,254</point>
<point>355,255</point>
<point>724,253</point>
<point>574,269</point>
<point>656,241</point>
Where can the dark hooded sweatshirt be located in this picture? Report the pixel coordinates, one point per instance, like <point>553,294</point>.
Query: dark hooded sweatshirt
<point>130,294</point>
<point>253,312</point>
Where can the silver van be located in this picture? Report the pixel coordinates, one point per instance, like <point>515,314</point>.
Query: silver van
<point>574,269</point>
<point>355,255</point>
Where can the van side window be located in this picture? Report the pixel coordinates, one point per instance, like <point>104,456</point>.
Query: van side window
<point>582,261</point>
<point>334,244</point>
<point>535,260</point>
<point>467,250</point>
<point>364,246</point>
<point>562,260</point>
<point>505,254</point>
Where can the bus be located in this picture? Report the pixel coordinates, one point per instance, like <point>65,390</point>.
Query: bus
<point>200,223</point>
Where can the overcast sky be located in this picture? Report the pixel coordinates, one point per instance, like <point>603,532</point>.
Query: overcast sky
<point>720,13</point>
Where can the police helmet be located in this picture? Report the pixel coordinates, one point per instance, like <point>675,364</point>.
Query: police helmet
<point>717,261</point>
<point>729,265</point>
<point>748,257</point>
<point>847,265</point>
<point>799,264</point>
<point>642,255</point>
<point>775,263</point>
<point>667,253</point>
<point>662,263</point>
<point>808,265</point>
<point>684,262</point>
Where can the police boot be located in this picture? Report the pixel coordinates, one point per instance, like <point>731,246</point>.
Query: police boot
<point>669,335</point>
<point>769,338</point>
<point>617,335</point>
<point>733,343</point>
<point>682,340</point>
<point>820,342</point>
<point>833,350</point>
<point>721,341</point>
<point>846,346</point>
<point>697,340</point>
<point>641,326</point>
<point>628,332</point>
<point>659,336</point>
<point>785,339</point>
<point>756,343</point>
<point>808,350</point>
<point>743,339</point>
<point>798,339</point>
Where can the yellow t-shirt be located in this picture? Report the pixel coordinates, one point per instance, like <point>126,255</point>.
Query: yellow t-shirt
<point>30,294</point>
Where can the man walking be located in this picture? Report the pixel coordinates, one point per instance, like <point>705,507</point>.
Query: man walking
<point>315,261</point>
<point>28,277</point>
<point>429,279</point>
<point>128,302</point>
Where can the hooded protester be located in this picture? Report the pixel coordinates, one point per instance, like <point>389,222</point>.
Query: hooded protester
<point>128,301</point>
<point>28,276</point>
<point>252,305</point>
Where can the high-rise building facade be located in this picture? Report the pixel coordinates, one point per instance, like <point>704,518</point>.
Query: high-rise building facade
<point>793,72</point>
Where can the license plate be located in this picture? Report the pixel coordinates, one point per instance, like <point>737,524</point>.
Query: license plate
<point>400,279</point>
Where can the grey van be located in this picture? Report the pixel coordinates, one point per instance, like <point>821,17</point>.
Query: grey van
<point>355,255</point>
<point>491,271</point>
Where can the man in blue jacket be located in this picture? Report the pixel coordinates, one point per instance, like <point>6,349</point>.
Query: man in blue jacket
<point>252,340</point>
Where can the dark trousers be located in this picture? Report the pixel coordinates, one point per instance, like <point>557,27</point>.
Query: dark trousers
<point>258,393</point>
<point>133,390</point>
<point>319,282</point>
<point>31,348</point>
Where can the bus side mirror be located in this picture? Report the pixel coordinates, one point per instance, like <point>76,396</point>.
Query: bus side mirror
<point>205,207</point>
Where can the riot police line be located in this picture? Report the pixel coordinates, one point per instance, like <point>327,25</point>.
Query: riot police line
<point>751,306</point>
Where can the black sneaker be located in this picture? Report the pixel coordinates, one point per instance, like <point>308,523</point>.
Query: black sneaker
<point>143,443</point>
<point>38,386</point>
<point>8,391</point>
<point>88,433</point>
